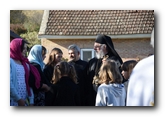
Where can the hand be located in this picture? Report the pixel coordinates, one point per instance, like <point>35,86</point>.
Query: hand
<point>21,102</point>
<point>45,88</point>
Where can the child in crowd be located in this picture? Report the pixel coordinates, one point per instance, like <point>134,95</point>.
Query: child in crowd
<point>127,67</point>
<point>111,92</point>
<point>64,91</point>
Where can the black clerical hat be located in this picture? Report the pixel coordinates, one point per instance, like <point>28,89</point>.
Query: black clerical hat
<point>104,39</point>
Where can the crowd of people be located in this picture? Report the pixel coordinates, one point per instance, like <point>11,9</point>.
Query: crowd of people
<point>105,80</point>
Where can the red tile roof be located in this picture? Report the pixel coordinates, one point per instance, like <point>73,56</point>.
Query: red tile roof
<point>92,22</point>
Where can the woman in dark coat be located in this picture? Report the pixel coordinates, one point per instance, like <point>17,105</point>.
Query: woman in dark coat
<point>54,57</point>
<point>64,91</point>
<point>36,57</point>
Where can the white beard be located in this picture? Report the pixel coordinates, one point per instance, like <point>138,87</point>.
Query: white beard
<point>100,54</point>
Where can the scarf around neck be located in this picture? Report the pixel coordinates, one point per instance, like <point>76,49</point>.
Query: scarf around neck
<point>16,54</point>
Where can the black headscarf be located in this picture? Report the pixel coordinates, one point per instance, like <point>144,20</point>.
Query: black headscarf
<point>104,39</point>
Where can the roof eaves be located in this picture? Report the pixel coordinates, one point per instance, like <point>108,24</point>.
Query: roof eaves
<point>93,37</point>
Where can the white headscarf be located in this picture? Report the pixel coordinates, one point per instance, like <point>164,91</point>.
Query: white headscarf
<point>35,55</point>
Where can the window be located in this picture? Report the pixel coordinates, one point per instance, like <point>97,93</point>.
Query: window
<point>87,54</point>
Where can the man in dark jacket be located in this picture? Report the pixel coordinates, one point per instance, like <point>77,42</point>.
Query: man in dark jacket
<point>81,70</point>
<point>104,48</point>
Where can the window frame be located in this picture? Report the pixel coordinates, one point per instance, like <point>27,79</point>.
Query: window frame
<point>83,50</point>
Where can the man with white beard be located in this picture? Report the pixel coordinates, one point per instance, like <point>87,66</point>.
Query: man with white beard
<point>104,48</point>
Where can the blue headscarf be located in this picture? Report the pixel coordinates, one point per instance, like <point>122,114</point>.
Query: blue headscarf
<point>35,55</point>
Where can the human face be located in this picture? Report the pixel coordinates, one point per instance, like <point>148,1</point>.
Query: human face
<point>24,51</point>
<point>58,57</point>
<point>43,54</point>
<point>73,55</point>
<point>97,47</point>
<point>125,74</point>
<point>99,50</point>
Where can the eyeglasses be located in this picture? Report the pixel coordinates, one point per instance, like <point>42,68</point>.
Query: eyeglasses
<point>97,46</point>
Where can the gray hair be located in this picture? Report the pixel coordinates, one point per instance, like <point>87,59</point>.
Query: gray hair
<point>74,47</point>
<point>152,38</point>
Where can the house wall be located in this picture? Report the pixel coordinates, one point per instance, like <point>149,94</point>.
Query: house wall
<point>133,48</point>
<point>126,48</point>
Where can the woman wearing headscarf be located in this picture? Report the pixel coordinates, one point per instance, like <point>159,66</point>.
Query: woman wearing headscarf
<point>104,49</point>
<point>21,94</point>
<point>36,57</point>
